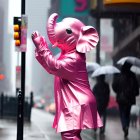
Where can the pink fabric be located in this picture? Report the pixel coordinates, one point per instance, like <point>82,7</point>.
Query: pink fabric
<point>82,38</point>
<point>71,135</point>
<point>75,102</point>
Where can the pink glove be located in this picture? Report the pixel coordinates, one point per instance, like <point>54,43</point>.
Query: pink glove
<point>39,41</point>
<point>36,38</point>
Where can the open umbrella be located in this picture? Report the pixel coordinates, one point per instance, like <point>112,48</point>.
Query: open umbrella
<point>105,70</point>
<point>130,59</point>
<point>91,66</point>
<point>135,69</point>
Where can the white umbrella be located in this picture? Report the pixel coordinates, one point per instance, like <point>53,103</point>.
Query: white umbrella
<point>92,66</point>
<point>130,59</point>
<point>105,70</point>
<point>135,69</point>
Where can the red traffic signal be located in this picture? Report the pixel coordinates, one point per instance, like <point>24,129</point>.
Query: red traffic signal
<point>2,76</point>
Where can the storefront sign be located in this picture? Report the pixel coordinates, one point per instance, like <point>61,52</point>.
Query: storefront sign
<point>81,5</point>
<point>121,1</point>
<point>74,7</point>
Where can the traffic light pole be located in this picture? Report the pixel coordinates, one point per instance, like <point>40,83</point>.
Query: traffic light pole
<point>21,94</point>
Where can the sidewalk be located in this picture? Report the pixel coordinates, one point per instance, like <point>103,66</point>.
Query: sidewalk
<point>32,130</point>
<point>114,131</point>
<point>8,131</point>
<point>40,129</point>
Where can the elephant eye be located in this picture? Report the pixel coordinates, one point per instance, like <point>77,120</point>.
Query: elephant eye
<point>69,31</point>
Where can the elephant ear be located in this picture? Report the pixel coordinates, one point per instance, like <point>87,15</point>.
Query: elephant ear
<point>88,39</point>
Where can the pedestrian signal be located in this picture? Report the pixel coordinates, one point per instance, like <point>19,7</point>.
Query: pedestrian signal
<point>17,31</point>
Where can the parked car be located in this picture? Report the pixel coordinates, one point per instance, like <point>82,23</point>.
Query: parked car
<point>39,102</point>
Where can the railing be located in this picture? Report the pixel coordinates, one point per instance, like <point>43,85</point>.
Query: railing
<point>9,106</point>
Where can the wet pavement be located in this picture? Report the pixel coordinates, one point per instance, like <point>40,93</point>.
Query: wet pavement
<point>40,129</point>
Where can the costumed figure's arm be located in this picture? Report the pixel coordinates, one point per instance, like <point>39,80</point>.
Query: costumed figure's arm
<point>63,68</point>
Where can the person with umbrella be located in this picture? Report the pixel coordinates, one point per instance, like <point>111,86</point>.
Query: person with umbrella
<point>126,87</point>
<point>101,91</point>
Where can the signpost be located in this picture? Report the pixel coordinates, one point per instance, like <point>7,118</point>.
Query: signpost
<point>21,94</point>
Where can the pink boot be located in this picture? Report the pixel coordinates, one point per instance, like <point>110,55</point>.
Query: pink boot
<point>71,135</point>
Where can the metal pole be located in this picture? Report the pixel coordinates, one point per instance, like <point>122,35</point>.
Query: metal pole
<point>21,95</point>
<point>98,46</point>
<point>20,116</point>
<point>2,101</point>
<point>98,29</point>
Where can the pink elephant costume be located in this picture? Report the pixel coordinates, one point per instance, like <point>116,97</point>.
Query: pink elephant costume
<point>75,103</point>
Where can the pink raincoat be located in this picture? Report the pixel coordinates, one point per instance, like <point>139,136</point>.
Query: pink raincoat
<point>75,102</point>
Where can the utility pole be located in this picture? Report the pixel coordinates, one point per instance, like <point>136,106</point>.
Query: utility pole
<point>21,94</point>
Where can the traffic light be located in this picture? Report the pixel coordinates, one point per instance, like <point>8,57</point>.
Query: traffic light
<point>2,76</point>
<point>17,31</point>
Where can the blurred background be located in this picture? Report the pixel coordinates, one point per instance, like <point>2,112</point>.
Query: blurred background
<point>117,23</point>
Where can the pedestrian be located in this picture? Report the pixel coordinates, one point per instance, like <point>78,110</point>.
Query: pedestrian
<point>76,107</point>
<point>126,88</point>
<point>101,91</point>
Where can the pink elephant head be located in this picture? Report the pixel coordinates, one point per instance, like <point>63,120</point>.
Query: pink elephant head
<point>71,33</point>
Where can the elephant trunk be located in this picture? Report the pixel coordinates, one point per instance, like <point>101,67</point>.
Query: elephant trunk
<point>50,28</point>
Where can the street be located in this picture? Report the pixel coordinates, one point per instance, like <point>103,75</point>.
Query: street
<point>40,129</point>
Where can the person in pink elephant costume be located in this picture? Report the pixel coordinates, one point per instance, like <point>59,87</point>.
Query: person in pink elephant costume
<point>75,103</point>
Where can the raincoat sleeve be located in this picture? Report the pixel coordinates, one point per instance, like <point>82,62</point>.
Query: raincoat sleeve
<point>63,68</point>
